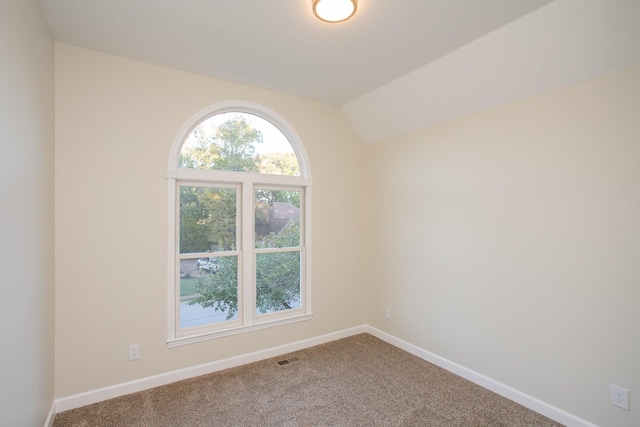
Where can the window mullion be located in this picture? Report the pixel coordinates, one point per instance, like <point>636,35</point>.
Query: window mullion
<point>247,280</point>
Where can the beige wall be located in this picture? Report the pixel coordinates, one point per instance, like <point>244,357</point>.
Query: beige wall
<point>116,120</point>
<point>511,243</point>
<point>506,241</point>
<point>26,215</point>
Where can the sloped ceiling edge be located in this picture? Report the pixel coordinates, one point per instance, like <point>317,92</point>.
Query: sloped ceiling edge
<point>557,45</point>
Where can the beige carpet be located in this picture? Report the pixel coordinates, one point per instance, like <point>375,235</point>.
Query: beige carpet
<point>356,381</point>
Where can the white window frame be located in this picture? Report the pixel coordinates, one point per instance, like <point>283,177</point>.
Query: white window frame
<point>246,182</point>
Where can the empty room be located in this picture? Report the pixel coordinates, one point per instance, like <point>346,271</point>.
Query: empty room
<point>329,212</point>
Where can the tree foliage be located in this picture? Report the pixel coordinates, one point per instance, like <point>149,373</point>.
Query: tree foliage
<point>231,146</point>
<point>278,273</point>
<point>280,164</point>
<point>220,289</point>
<point>207,219</point>
<point>277,279</point>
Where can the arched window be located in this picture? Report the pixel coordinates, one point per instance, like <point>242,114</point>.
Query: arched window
<point>239,195</point>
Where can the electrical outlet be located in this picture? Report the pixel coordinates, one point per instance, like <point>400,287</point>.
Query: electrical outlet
<point>387,312</point>
<point>134,352</point>
<point>620,397</point>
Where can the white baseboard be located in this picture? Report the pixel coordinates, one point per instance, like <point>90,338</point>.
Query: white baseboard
<point>52,415</point>
<point>94,396</point>
<point>510,393</point>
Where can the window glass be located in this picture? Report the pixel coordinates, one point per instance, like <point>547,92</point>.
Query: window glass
<point>208,219</point>
<point>208,290</point>
<point>277,230</point>
<point>277,218</point>
<point>208,283</point>
<point>239,142</point>
<point>277,281</point>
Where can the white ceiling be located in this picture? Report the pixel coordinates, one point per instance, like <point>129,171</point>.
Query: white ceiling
<point>279,44</point>
<point>442,57</point>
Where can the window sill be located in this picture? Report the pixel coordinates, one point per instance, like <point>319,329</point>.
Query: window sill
<point>205,336</point>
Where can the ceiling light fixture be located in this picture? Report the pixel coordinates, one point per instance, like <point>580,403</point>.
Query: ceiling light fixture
<point>334,10</point>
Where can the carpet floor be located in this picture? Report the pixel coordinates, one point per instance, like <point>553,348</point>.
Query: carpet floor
<point>356,381</point>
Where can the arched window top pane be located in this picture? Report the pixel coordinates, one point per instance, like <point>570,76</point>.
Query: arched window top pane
<point>238,142</point>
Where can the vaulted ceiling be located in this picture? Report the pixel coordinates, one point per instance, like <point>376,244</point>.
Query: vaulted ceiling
<point>396,66</point>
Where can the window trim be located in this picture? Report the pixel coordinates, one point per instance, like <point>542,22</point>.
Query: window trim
<point>246,182</point>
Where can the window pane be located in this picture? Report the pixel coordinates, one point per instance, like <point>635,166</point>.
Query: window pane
<point>208,290</point>
<point>277,218</point>
<point>277,281</point>
<point>239,142</point>
<point>207,219</point>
